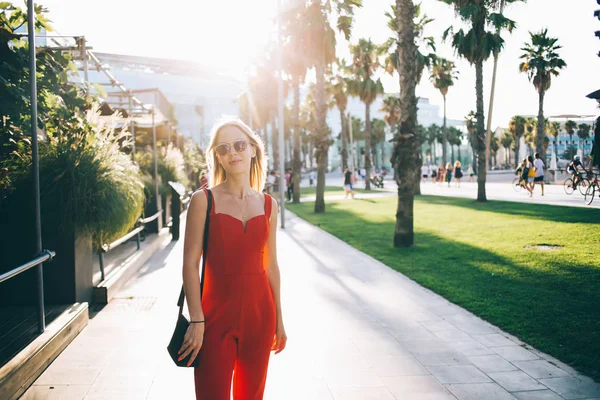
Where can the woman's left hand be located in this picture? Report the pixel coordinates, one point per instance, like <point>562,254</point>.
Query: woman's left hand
<point>280,339</point>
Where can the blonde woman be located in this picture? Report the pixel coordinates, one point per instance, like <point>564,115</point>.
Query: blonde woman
<point>458,172</point>
<point>238,321</point>
<point>448,173</point>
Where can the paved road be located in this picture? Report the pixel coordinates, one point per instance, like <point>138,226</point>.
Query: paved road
<point>553,194</point>
<point>357,330</point>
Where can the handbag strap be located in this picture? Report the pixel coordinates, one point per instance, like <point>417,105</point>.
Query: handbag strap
<point>204,251</point>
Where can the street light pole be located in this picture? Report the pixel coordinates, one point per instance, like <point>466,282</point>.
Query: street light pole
<point>35,163</point>
<point>280,118</point>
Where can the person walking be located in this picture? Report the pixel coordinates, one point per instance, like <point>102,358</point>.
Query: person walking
<point>538,164</point>
<point>448,173</point>
<point>530,175</point>
<point>237,321</point>
<point>348,190</point>
<point>424,172</point>
<point>441,173</point>
<point>458,172</point>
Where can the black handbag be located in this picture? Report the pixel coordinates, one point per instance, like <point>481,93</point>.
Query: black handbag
<point>182,323</point>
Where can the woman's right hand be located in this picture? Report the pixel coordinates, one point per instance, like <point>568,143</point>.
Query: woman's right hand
<point>192,342</point>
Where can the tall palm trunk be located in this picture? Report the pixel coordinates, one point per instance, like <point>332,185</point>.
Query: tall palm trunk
<point>406,156</point>
<point>297,160</point>
<point>481,140</point>
<point>517,151</point>
<point>368,146</point>
<point>321,139</point>
<point>344,139</point>
<point>274,140</point>
<point>459,157</point>
<point>539,143</point>
<point>383,154</point>
<point>444,136</point>
<point>452,154</point>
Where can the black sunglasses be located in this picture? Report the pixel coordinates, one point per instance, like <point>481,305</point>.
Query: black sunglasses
<point>225,148</point>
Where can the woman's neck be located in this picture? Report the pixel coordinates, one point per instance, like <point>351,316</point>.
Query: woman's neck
<point>238,185</point>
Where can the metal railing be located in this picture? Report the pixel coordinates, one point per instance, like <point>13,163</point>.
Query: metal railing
<point>44,256</point>
<point>105,248</point>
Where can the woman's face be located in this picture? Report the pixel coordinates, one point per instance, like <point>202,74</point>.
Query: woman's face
<point>234,150</point>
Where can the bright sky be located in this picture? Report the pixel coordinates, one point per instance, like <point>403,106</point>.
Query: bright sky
<point>227,33</point>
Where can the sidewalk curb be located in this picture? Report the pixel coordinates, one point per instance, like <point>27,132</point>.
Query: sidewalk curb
<point>106,290</point>
<point>22,370</point>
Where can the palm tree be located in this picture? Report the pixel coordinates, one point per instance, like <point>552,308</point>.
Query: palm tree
<point>296,64</point>
<point>494,147</point>
<point>530,136</point>
<point>554,130</point>
<point>358,134</point>
<point>583,131</point>
<point>406,155</point>
<point>455,139</point>
<point>443,75</point>
<point>391,108</point>
<point>339,91</point>
<point>320,52</point>
<point>422,60</point>
<point>471,123</point>
<point>507,142</point>
<point>541,62</point>
<point>570,126</point>
<point>477,45</point>
<point>377,138</point>
<point>516,127</point>
<point>433,132</point>
<point>364,66</point>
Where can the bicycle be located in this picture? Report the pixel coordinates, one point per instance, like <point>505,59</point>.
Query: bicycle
<point>581,183</point>
<point>517,184</point>
<point>591,190</point>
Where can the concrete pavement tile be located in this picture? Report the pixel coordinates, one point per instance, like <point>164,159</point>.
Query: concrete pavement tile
<point>494,340</point>
<point>458,374</point>
<point>69,375</point>
<point>573,387</point>
<point>537,395</point>
<point>479,391</point>
<point>391,366</point>
<point>515,381</point>
<point>515,353</point>
<point>369,393</point>
<point>415,387</point>
<point>351,377</point>
<point>439,325</point>
<point>55,392</point>
<point>471,348</point>
<point>492,363</point>
<point>453,335</point>
<point>540,369</point>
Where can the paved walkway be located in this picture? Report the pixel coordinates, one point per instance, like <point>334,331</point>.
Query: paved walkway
<point>357,330</point>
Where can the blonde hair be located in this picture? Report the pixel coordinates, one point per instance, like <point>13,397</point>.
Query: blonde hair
<point>457,164</point>
<point>258,164</point>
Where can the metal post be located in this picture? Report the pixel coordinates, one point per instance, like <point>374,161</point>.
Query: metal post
<point>280,121</point>
<point>132,126</point>
<point>101,260</point>
<point>84,54</point>
<point>488,134</point>
<point>35,164</point>
<point>155,162</point>
<point>351,143</point>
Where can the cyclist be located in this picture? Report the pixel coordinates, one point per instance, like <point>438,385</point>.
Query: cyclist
<point>573,168</point>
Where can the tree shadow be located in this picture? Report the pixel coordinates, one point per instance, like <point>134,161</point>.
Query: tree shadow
<point>533,211</point>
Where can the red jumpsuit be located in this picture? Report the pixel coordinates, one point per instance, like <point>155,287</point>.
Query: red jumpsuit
<point>239,309</point>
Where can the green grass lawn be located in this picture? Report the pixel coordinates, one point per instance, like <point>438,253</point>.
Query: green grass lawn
<point>475,255</point>
<point>330,191</point>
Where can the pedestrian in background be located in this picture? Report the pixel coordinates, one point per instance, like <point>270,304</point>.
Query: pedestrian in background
<point>538,164</point>
<point>458,172</point>
<point>448,173</point>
